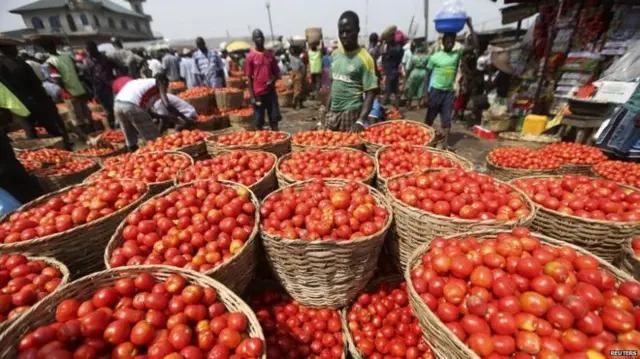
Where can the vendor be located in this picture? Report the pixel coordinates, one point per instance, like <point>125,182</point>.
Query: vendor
<point>621,135</point>
<point>161,112</point>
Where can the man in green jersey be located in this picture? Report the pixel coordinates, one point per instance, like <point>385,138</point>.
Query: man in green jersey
<point>441,74</point>
<point>353,74</point>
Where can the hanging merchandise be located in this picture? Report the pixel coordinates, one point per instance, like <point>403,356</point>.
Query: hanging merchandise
<point>451,17</point>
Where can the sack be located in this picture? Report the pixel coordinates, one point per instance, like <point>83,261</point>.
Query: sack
<point>452,9</point>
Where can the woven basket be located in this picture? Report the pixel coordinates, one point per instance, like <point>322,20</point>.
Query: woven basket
<point>65,278</point>
<point>54,183</point>
<point>214,123</point>
<point>326,273</point>
<point>119,149</point>
<point>285,180</point>
<point>212,148</point>
<point>202,104</point>
<point>37,143</point>
<point>602,238</point>
<point>414,227</point>
<point>15,136</point>
<point>83,289</point>
<point>81,247</point>
<point>444,343</point>
<point>244,122</point>
<point>285,99</point>
<point>235,273</point>
<point>297,147</point>
<point>237,83</point>
<point>464,163</point>
<point>629,262</point>
<point>279,148</point>
<point>507,174</point>
<point>372,148</point>
<point>195,150</point>
<point>226,101</point>
<point>576,170</point>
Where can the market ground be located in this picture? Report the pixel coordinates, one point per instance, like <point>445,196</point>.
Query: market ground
<point>465,142</point>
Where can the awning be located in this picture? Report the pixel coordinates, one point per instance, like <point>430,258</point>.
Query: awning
<point>516,13</point>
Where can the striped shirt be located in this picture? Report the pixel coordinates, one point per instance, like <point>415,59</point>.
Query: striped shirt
<point>210,68</point>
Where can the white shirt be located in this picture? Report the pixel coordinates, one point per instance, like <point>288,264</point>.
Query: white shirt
<point>155,66</point>
<point>181,105</point>
<point>134,90</point>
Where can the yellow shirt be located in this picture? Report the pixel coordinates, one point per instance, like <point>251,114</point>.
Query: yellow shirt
<point>10,102</point>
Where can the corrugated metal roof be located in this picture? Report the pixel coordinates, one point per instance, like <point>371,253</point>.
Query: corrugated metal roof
<point>54,4</point>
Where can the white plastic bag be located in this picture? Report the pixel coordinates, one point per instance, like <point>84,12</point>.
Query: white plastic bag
<point>452,9</point>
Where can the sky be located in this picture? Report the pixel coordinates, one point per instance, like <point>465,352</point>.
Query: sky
<point>185,19</point>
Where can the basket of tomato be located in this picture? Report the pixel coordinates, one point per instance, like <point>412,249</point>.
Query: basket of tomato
<point>37,144</point>
<point>114,137</point>
<point>325,138</point>
<point>156,311</point>
<point>21,134</point>
<point>217,121</point>
<point>392,132</point>
<point>276,142</point>
<point>72,225</point>
<point>576,158</point>
<point>157,169</point>
<point>65,174</point>
<point>316,163</point>
<point>215,235</point>
<point>404,158</point>
<point>45,156</point>
<point>623,172</point>
<point>176,87</point>
<point>99,153</point>
<point>239,82</point>
<point>441,203</point>
<point>630,257</point>
<point>242,117</point>
<point>228,98</point>
<point>550,300</point>
<point>323,238</point>
<point>201,98</point>
<point>285,99</point>
<point>507,163</point>
<point>25,281</point>
<point>596,214</point>
<point>190,142</point>
<point>254,169</point>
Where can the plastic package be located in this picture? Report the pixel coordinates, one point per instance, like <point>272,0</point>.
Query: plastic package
<point>452,9</point>
<point>7,203</point>
<point>626,68</point>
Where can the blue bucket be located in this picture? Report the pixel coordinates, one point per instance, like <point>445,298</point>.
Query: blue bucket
<point>450,24</point>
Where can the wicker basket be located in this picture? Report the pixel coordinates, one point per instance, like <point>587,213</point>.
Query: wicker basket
<point>38,143</point>
<point>285,99</point>
<point>628,261</point>
<point>202,104</point>
<point>297,147</point>
<point>214,123</point>
<point>326,273</point>
<point>82,289</point>
<point>237,82</point>
<point>196,150</point>
<point>604,239</point>
<point>267,184</point>
<point>244,122</point>
<point>226,101</point>
<point>444,343</point>
<point>414,227</point>
<point>279,148</point>
<point>212,148</point>
<point>372,148</point>
<point>285,180</point>
<point>119,149</point>
<point>235,273</point>
<point>576,170</point>
<point>81,247</point>
<point>52,263</point>
<point>54,183</point>
<point>507,174</point>
<point>464,163</point>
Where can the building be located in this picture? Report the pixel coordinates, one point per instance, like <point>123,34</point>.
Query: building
<point>82,20</point>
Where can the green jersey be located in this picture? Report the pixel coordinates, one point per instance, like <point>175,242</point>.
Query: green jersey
<point>353,73</point>
<point>444,66</point>
<point>315,61</point>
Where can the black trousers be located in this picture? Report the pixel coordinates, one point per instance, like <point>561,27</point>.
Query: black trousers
<point>13,177</point>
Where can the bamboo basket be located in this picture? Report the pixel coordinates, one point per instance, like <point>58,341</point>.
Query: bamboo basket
<point>212,148</point>
<point>507,174</point>
<point>237,82</point>
<point>279,148</point>
<point>54,183</point>
<point>38,143</point>
<point>244,122</point>
<point>298,147</point>
<point>285,180</point>
<point>83,289</point>
<point>602,238</point>
<point>214,123</point>
<point>414,226</point>
<point>326,273</point>
<point>119,149</point>
<point>196,150</point>
<point>226,101</point>
<point>372,148</point>
<point>285,99</point>
<point>628,261</point>
<point>444,343</point>
<point>462,162</point>
<point>15,136</point>
<point>569,169</point>
<point>236,272</point>
<point>65,278</point>
<point>79,248</point>
<point>201,104</point>
<point>178,87</point>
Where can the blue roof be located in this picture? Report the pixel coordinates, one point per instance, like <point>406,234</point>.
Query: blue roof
<point>54,4</point>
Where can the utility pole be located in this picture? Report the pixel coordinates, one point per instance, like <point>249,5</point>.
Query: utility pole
<point>426,21</point>
<point>268,4</point>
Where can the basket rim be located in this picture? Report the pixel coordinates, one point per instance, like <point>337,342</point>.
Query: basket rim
<point>530,204</point>
<point>94,165</point>
<point>576,218</point>
<point>289,179</point>
<point>22,245</point>
<point>212,139</point>
<point>183,148</point>
<point>47,141</point>
<point>332,182</point>
<point>115,145</point>
<point>389,123</point>
<point>450,155</point>
<point>512,169</point>
<point>116,236</point>
<point>293,142</point>
<point>173,152</point>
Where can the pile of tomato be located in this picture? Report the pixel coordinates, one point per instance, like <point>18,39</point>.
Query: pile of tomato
<point>573,153</point>
<point>196,92</point>
<point>382,324</point>
<point>95,151</point>
<point>195,227</point>
<point>108,162</point>
<point>396,132</point>
<point>324,138</point>
<point>45,155</point>
<point>143,317</point>
<point>112,136</point>
<point>331,163</point>
<point>460,194</point>
<point>404,158</point>
<point>22,133</point>
<point>292,330</point>
<point>30,166</point>
<point>583,196</point>
<point>250,138</point>
<point>24,282</point>
<point>176,140</point>
<point>514,296</point>
<point>319,211</point>
<point>70,209</point>
<point>524,158</point>
<point>623,172</point>
<point>66,168</point>
<point>148,167</point>
<point>244,167</point>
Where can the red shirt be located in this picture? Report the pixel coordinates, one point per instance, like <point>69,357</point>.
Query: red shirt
<point>261,67</point>
<point>119,83</point>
